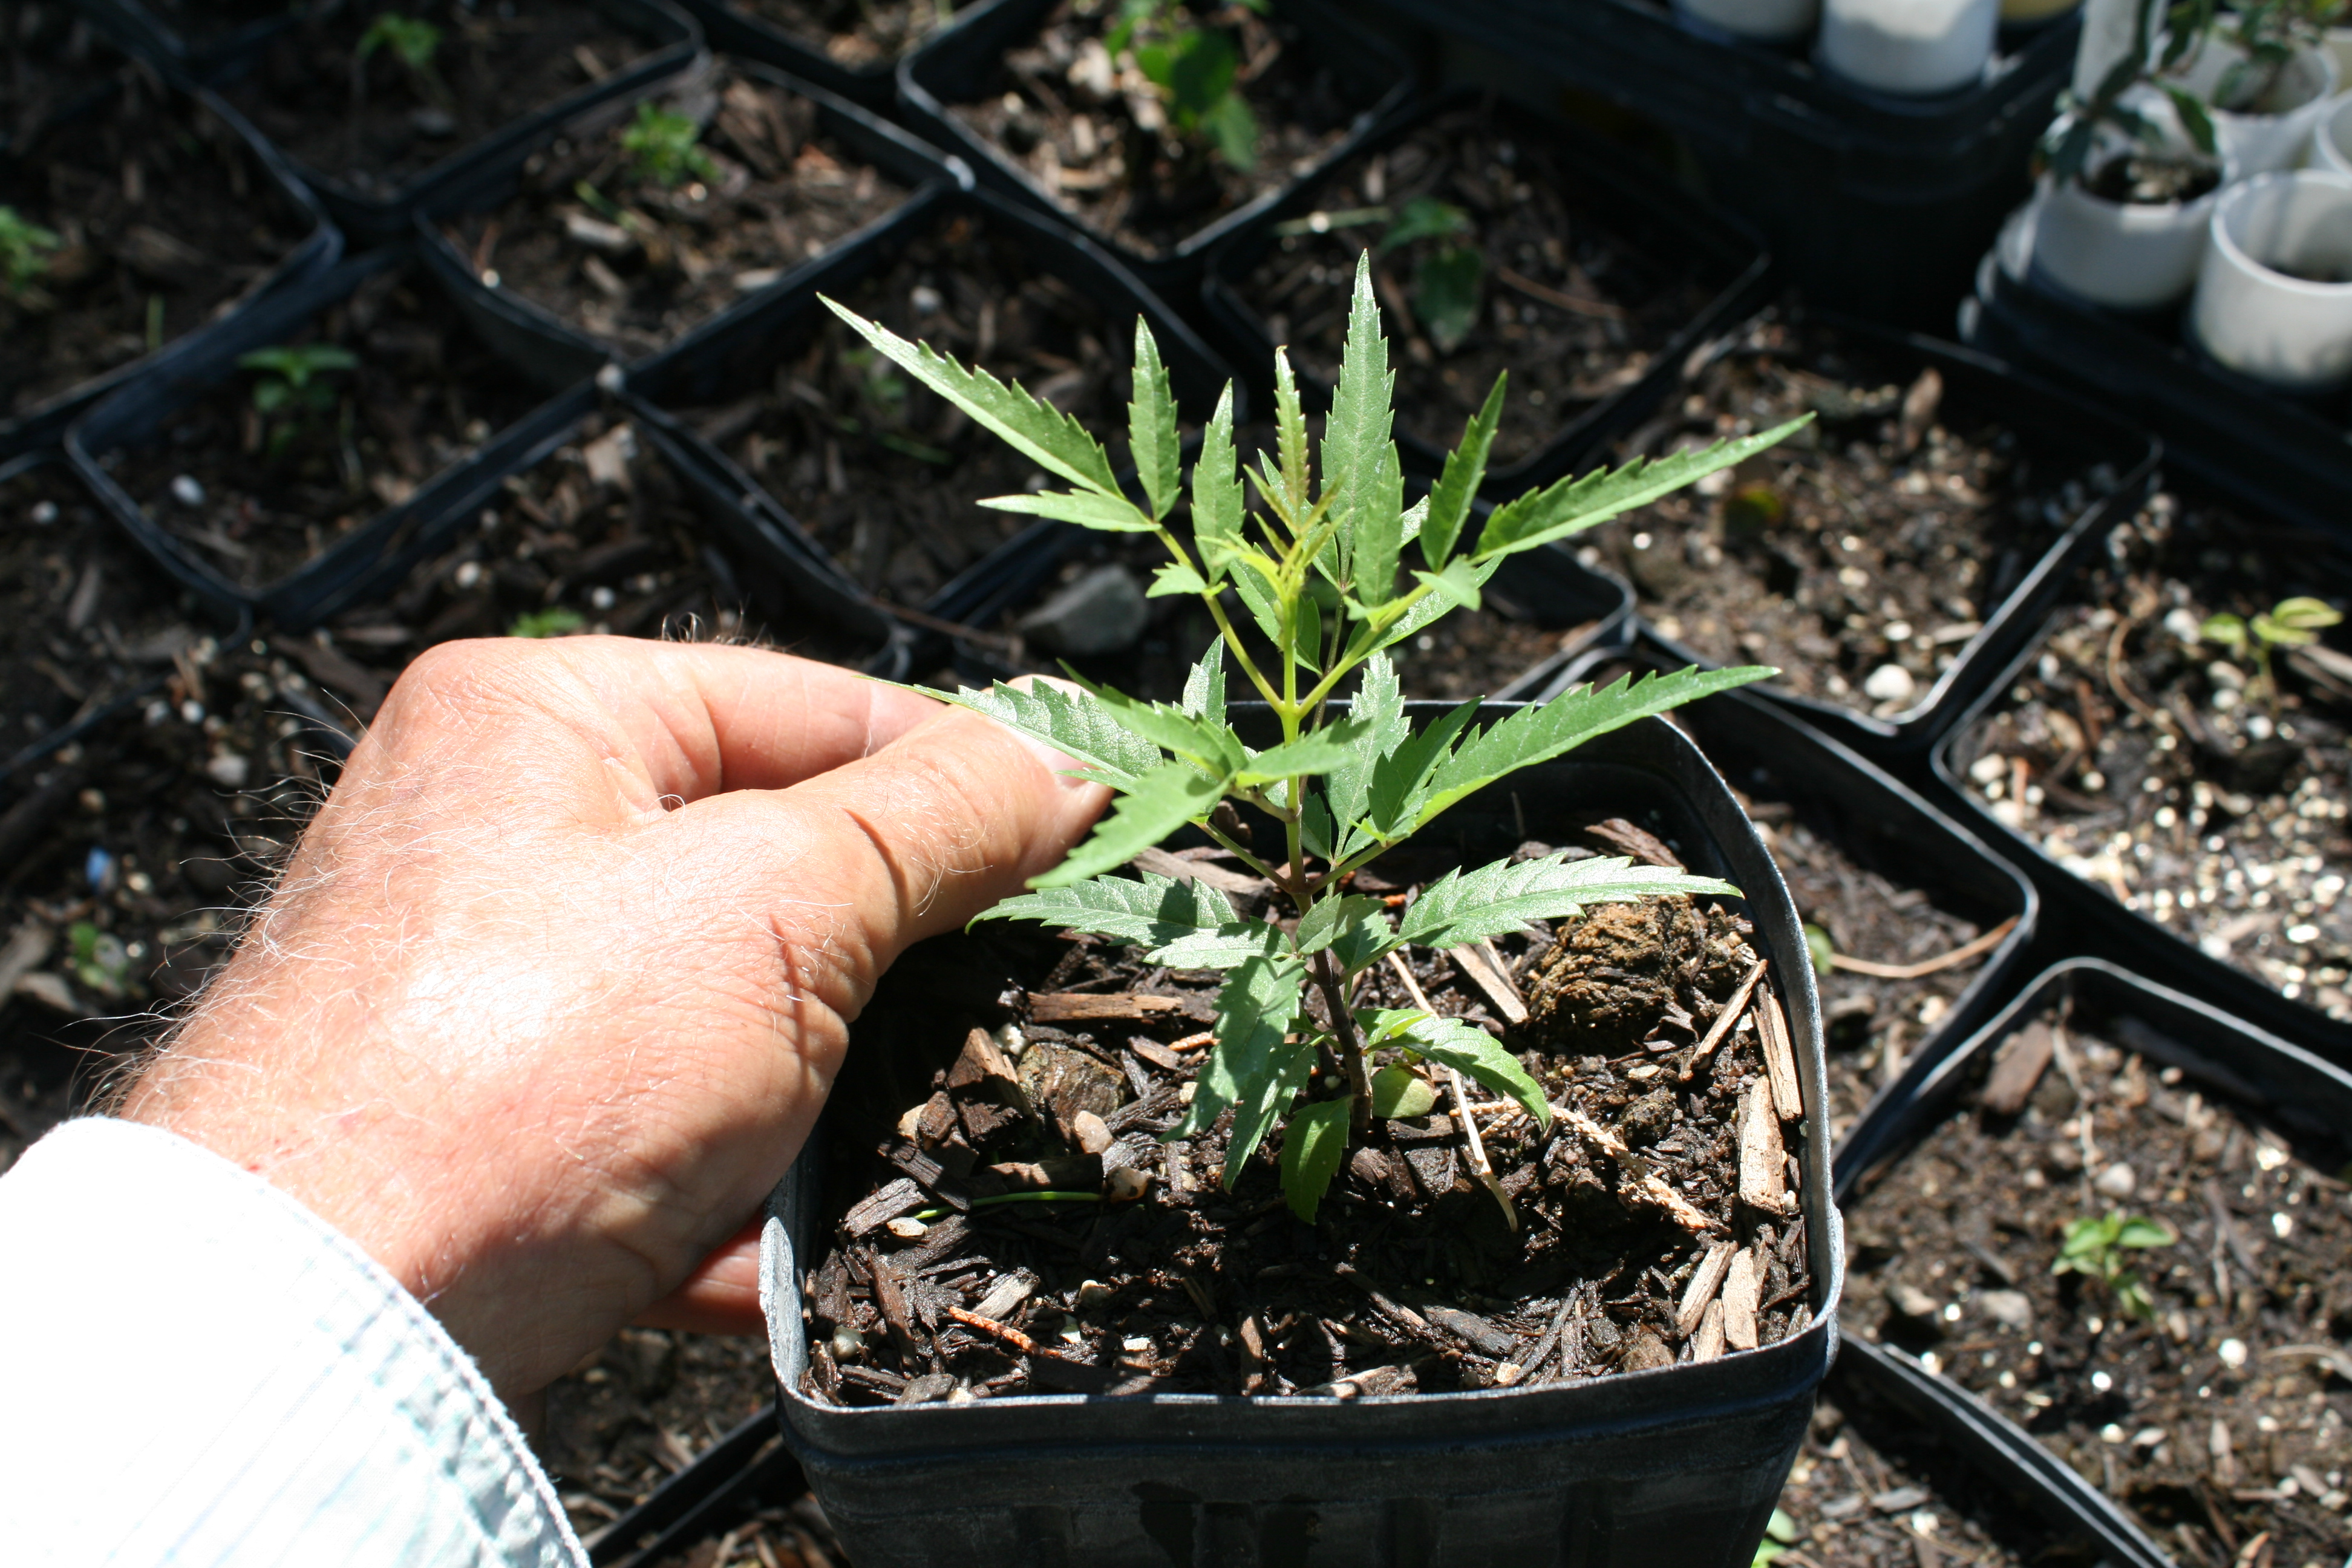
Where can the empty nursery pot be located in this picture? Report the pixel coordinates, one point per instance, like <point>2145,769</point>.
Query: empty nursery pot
<point>1675,1466</point>
<point>1913,47</point>
<point>2275,295</point>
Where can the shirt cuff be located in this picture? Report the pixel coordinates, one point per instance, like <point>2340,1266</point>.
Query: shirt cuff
<point>205,1371</point>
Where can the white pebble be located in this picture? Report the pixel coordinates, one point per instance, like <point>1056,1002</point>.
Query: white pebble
<point>2117,1181</point>
<point>228,770</point>
<point>1889,683</point>
<point>2233,1353</point>
<point>186,491</point>
<point>925,300</point>
<point>44,513</point>
<point>907,1227</point>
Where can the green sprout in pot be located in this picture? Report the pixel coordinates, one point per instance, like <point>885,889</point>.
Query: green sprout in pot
<point>1448,281</point>
<point>100,961</point>
<point>2162,37</point>
<point>414,42</point>
<point>292,387</point>
<point>1326,572</point>
<point>2272,34</point>
<point>665,148</point>
<point>2098,1248</point>
<point>1196,71</point>
<point>25,249</point>
<point>2290,622</point>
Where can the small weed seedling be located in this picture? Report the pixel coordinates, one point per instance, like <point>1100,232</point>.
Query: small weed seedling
<point>2096,1248</point>
<point>2290,622</point>
<point>24,250</point>
<point>1196,70</point>
<point>664,147</point>
<point>292,389</point>
<point>99,960</point>
<point>559,621</point>
<point>2074,136</point>
<point>1448,282</point>
<point>411,40</point>
<point>1330,576</point>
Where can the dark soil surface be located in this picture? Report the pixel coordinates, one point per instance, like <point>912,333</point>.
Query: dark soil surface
<point>380,128</point>
<point>166,218</point>
<point>275,489</point>
<point>883,473</point>
<point>860,35</point>
<point>2154,765</point>
<point>200,24</point>
<point>2152,182</point>
<point>1094,132</point>
<point>1410,1280</point>
<point>50,59</point>
<point>1573,307</point>
<point>2212,1420</point>
<point>644,260</point>
<point>1855,558</point>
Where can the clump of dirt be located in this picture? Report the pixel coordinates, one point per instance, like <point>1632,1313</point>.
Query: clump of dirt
<point>634,252</point>
<point>1613,977</point>
<point>2159,765</point>
<point>2211,1415</point>
<point>1571,300</point>
<point>1095,133</point>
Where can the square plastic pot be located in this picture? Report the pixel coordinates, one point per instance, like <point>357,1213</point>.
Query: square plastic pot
<point>556,353</point>
<point>43,426</point>
<point>1625,196</point>
<point>2225,1057</point>
<point>2055,425</point>
<point>738,30</point>
<point>957,64</point>
<point>145,32</point>
<point>1677,1467</point>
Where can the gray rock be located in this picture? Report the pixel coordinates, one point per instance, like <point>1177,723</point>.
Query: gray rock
<point>1102,611</point>
<point>2011,1308</point>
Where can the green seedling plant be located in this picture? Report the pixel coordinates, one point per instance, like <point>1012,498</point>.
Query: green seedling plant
<point>98,961</point>
<point>25,249</point>
<point>2099,1249</point>
<point>414,42</point>
<point>2291,623</point>
<point>2163,35</point>
<point>1328,570</point>
<point>1196,71</point>
<point>1448,282</point>
<point>665,148</point>
<point>2271,33</point>
<point>292,388</point>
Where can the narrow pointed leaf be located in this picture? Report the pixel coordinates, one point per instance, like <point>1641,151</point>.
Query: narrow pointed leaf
<point>1227,947</point>
<point>1465,907</point>
<point>1050,438</point>
<point>1314,752</point>
<point>1205,688</point>
<point>1159,803</point>
<point>1457,586</point>
<point>1313,1142</point>
<point>1151,910</point>
<point>1435,605</point>
<point>1357,433</point>
<point>1538,735</point>
<point>1401,776</point>
<point>1457,487</point>
<point>1330,919</point>
<point>1378,523</point>
<point>1075,722</point>
<point>1290,435</point>
<point>1254,1011</point>
<point>1474,1051</point>
<point>1254,1113</point>
<point>1175,578</point>
<point>1213,747</point>
<point>1574,505</point>
<point>1104,513</point>
<point>1152,424</point>
<point>1217,491</point>
<point>1315,828</point>
<point>1380,706</point>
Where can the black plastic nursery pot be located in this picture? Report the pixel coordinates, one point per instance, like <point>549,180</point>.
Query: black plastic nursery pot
<point>1685,269</point>
<point>179,281</point>
<point>2204,1055</point>
<point>1353,80</point>
<point>1877,203</point>
<point>1675,1466</point>
<point>797,36</point>
<point>2108,468</point>
<point>188,40</point>
<point>557,351</point>
<point>279,85</point>
<point>2281,453</point>
<point>1795,779</point>
<point>2292,561</point>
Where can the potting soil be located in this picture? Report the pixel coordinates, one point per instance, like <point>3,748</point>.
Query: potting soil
<point>858,34</point>
<point>1870,1490</point>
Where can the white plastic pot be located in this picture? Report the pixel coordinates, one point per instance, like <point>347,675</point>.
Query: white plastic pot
<point>2130,256</point>
<point>1913,47</point>
<point>2260,144</point>
<point>1767,21</point>
<point>2331,138</point>
<point>2261,322</point>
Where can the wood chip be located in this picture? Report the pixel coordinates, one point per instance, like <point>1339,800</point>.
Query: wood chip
<point>1073,1007</point>
<point>1725,1021</point>
<point>1763,1179</point>
<point>890,1298</point>
<point>1482,970</point>
<point>1779,1056</point>
<point>1642,845</point>
<point>984,1067</point>
<point>1742,1285</point>
<point>1708,1344</point>
<point>1473,1330</point>
<point>1157,1055</point>
<point>1705,1281</point>
<point>2016,1068</point>
<point>1649,1189</point>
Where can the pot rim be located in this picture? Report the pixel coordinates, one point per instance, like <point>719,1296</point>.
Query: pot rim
<point>2228,245</point>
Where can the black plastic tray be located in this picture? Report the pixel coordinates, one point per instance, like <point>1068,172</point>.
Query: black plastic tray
<point>744,1470</point>
<point>2281,453</point>
<point>42,426</point>
<point>2096,922</point>
<point>956,64</point>
<point>2041,415</point>
<point>1673,221</point>
<point>736,30</point>
<point>1875,203</point>
<point>676,43</point>
<point>1672,1468</point>
<point>2224,1054</point>
<point>145,33</point>
<point>556,353</point>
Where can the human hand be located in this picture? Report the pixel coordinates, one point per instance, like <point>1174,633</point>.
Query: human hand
<point>558,979</point>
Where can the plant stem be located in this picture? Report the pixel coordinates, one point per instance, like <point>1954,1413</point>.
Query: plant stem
<point>1333,984</point>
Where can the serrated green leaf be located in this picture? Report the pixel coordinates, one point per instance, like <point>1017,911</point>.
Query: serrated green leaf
<point>1151,423</point>
<point>1050,438</point>
<point>1314,752</point>
<point>1254,583</point>
<point>1212,746</point>
<point>1379,707</point>
<point>1173,578</point>
<point>1217,501</point>
<point>1458,585</point>
<point>1106,514</point>
<point>1205,688</point>
<point>1467,1050</point>
<point>1574,505</point>
<point>1466,907</point>
<point>1255,1112</point>
<point>1330,919</point>
<point>1149,908</point>
<point>1435,607</point>
<point>1158,804</point>
<point>1255,1007</point>
<point>1401,777</point>
<point>1447,287</point>
<point>1355,435</point>
<point>1465,470</point>
<point>1377,521</point>
<point>1289,436</point>
<point>1315,825</point>
<point>1306,632</point>
<point>1072,722</point>
<point>1536,734</point>
<point>1313,1142</point>
<point>1227,947</point>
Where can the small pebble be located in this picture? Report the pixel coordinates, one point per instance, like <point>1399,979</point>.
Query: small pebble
<point>1093,1133</point>
<point>1126,1185</point>
<point>186,491</point>
<point>2117,1181</point>
<point>1889,683</point>
<point>925,300</point>
<point>1093,1293</point>
<point>906,1227</point>
<point>228,770</point>
<point>44,513</point>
